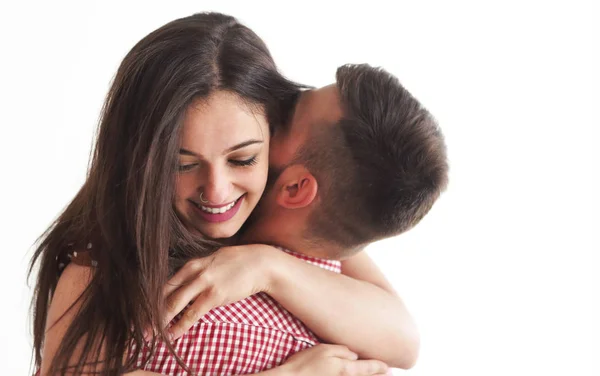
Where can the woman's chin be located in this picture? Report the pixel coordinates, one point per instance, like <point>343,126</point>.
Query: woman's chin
<point>218,232</point>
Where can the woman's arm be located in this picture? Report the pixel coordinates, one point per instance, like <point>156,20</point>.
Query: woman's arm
<point>359,310</point>
<point>322,359</point>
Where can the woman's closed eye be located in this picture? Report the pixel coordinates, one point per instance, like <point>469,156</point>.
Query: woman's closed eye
<point>184,167</point>
<point>187,167</point>
<point>244,162</point>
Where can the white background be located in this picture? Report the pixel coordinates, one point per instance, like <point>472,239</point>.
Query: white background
<point>500,274</point>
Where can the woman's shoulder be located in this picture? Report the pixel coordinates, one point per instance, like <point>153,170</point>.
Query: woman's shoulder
<point>64,306</point>
<point>76,267</point>
<point>73,281</point>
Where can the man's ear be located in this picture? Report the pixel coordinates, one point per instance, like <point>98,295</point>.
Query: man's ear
<point>297,187</point>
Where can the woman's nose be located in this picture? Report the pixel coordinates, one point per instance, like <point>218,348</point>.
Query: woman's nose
<point>218,188</point>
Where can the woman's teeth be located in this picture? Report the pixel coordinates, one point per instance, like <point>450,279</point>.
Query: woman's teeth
<point>220,210</point>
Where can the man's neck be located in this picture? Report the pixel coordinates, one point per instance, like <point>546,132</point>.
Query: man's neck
<point>290,240</point>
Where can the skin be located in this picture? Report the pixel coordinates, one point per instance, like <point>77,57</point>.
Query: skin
<point>224,156</point>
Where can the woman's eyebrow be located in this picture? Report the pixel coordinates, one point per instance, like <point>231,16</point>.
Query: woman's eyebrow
<point>241,145</point>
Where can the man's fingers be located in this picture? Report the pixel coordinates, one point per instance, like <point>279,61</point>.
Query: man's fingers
<point>366,368</point>
<point>191,315</point>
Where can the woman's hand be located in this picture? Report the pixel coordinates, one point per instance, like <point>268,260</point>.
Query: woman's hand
<point>227,276</point>
<point>331,360</point>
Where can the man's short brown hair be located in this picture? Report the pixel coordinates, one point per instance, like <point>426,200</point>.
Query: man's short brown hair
<point>380,168</point>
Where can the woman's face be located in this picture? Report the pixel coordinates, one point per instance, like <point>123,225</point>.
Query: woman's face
<point>223,165</point>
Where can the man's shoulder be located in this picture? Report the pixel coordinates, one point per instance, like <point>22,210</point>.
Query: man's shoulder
<point>259,313</point>
<point>328,264</point>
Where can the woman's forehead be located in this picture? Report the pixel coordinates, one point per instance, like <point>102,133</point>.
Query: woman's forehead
<point>214,125</point>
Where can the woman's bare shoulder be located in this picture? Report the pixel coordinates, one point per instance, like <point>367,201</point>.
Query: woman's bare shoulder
<point>64,306</point>
<point>73,281</point>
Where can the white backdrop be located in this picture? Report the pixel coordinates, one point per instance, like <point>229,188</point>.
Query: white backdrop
<point>499,275</point>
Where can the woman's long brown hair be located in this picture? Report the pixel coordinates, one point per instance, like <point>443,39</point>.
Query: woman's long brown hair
<point>125,205</point>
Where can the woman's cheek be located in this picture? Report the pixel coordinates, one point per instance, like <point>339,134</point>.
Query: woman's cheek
<point>186,185</point>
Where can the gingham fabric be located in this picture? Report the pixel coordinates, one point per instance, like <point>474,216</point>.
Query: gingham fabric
<point>249,336</point>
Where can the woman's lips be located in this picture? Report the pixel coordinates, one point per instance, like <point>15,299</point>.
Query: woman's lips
<point>219,217</point>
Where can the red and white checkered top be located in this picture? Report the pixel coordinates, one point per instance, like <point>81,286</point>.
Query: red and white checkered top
<point>249,336</point>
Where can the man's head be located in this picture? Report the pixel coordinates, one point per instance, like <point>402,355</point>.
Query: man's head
<point>361,160</point>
